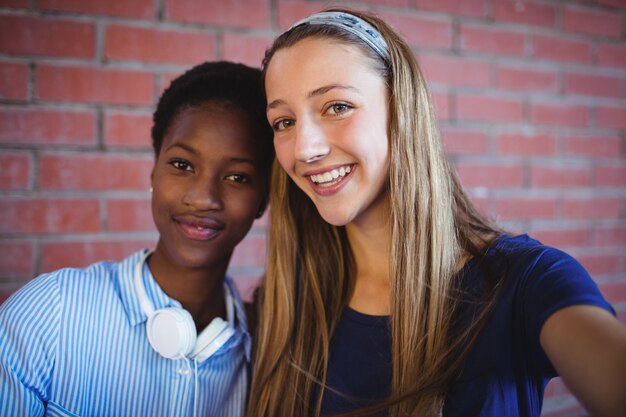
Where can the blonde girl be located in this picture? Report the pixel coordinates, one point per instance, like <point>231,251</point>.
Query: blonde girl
<point>387,293</point>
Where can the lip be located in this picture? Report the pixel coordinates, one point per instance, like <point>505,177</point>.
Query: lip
<point>199,228</point>
<point>328,190</point>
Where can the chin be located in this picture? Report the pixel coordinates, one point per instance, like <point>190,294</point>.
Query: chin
<point>334,217</point>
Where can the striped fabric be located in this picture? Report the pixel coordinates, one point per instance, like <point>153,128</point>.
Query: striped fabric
<point>73,343</point>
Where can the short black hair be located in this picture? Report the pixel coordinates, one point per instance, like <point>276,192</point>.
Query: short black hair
<point>220,82</point>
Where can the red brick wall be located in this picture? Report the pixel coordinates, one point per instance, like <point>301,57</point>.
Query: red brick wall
<point>531,97</point>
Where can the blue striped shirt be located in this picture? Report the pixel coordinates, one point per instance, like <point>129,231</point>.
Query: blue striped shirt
<point>74,343</point>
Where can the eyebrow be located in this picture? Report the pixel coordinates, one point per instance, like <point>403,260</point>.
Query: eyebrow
<point>317,92</point>
<point>183,146</point>
<point>234,159</point>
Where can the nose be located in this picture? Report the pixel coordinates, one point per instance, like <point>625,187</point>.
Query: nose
<point>204,194</point>
<point>311,144</point>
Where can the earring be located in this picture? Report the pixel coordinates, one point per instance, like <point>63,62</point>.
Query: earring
<point>150,190</point>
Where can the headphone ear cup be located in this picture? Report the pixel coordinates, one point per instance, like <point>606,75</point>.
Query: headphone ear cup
<point>213,337</point>
<point>171,332</point>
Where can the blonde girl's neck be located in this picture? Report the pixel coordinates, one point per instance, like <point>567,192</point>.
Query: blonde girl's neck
<point>371,249</point>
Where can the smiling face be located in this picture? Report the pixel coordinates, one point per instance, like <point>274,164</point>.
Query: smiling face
<point>207,186</point>
<point>328,108</point>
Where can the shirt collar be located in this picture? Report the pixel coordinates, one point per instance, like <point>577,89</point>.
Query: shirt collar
<point>159,299</point>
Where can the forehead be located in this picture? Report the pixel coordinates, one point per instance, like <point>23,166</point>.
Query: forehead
<point>214,126</point>
<point>317,61</point>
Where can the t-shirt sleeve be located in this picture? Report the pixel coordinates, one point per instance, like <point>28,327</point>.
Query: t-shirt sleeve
<point>554,280</point>
<point>29,322</point>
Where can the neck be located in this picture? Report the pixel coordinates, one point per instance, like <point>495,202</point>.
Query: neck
<point>199,290</point>
<point>370,245</point>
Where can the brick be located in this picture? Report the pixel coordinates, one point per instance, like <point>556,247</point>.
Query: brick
<point>166,80</point>
<point>481,204</point>
<point>13,81</point>
<point>489,109</point>
<point>99,172</point>
<point>95,85</point>
<point>441,103</point>
<point>591,208</point>
<point>16,259</point>
<point>46,37</point>
<point>36,126</point>
<point>7,290</point>
<point>604,265</point>
<point>292,11</point>
<point>128,130</point>
<point>525,145</point>
<point>559,114</point>
<point>39,215</point>
<point>554,48</point>
<point>613,3</point>
<point>158,46</point>
<point>404,3</point>
<point>464,142</point>
<point>593,85</point>
<point>15,4</point>
<point>490,175</point>
<point>562,238</point>
<point>244,48</point>
<point>129,215</point>
<point>613,236</point>
<point>236,13</point>
<point>474,8</point>
<point>523,79</point>
<point>593,146</point>
<point>525,208</point>
<point>250,252</point>
<point>16,172</point>
<point>610,55</point>
<point>527,13</point>
<point>611,176</point>
<point>445,70</point>
<point>84,253</point>
<point>611,117</point>
<point>559,177</point>
<point>614,291</point>
<point>420,31</point>
<point>492,41</point>
<point>592,22</point>
<point>139,9</point>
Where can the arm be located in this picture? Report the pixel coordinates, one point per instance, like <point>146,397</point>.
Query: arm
<point>587,347</point>
<point>15,397</point>
<point>28,332</point>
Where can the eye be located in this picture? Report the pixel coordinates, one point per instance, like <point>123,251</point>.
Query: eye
<point>181,165</point>
<point>238,178</point>
<point>283,124</point>
<point>336,109</point>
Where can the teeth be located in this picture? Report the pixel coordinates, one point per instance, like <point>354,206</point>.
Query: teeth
<point>331,175</point>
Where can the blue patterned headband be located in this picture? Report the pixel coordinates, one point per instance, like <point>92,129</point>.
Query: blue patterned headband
<point>352,24</point>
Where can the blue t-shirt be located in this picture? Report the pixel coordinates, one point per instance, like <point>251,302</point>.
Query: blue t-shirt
<point>507,370</point>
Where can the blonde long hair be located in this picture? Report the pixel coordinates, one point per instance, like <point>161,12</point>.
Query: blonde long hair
<point>434,228</point>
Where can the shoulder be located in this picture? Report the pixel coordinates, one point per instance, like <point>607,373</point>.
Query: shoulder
<point>540,280</point>
<point>46,294</point>
<point>527,258</point>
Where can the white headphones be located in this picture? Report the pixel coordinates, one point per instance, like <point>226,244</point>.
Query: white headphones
<point>172,332</point>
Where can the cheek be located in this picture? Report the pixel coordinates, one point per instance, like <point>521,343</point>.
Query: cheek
<point>284,154</point>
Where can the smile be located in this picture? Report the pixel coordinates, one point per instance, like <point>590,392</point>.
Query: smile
<point>199,229</point>
<point>331,177</point>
